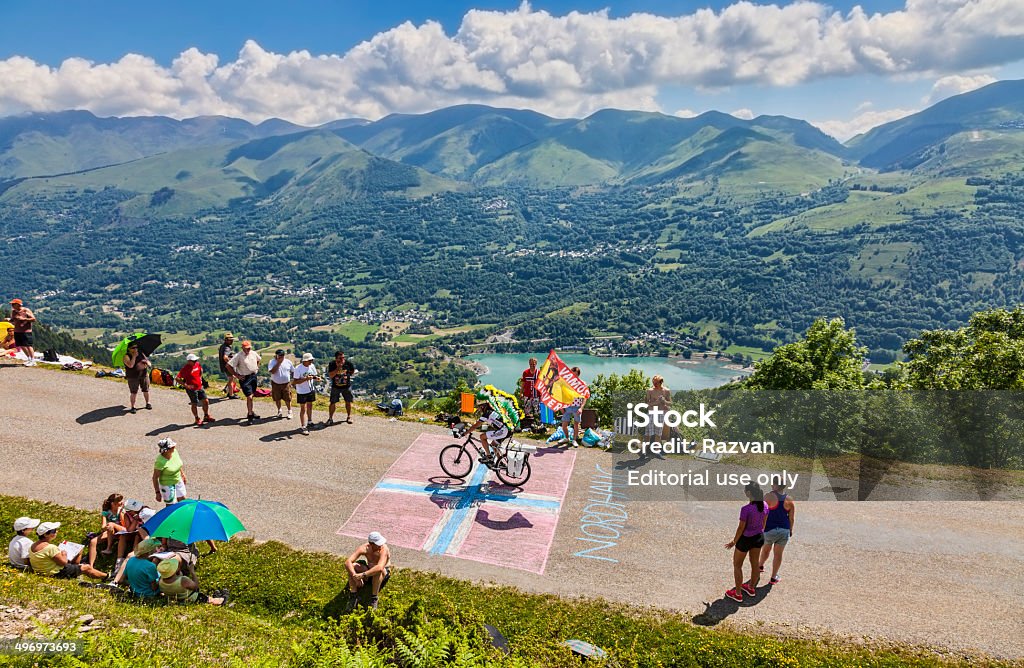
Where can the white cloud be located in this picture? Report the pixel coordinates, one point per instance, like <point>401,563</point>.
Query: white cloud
<point>862,122</point>
<point>956,84</point>
<point>562,65</point>
<point>745,114</point>
<point>685,113</point>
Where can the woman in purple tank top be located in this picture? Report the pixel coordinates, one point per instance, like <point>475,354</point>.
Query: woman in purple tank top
<point>748,541</point>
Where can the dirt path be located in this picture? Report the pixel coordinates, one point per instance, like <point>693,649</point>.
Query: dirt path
<point>948,576</point>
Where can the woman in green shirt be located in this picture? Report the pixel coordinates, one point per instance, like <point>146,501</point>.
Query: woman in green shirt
<point>181,589</point>
<point>169,478</point>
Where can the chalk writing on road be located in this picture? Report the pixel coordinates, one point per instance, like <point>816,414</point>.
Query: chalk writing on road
<point>604,517</point>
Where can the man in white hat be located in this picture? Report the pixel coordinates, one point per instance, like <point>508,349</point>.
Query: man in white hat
<point>302,378</point>
<point>18,550</point>
<point>370,565</point>
<point>191,377</point>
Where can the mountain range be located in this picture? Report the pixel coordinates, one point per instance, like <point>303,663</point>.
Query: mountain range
<point>172,167</point>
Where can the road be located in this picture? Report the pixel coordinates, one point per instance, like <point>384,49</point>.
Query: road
<point>944,575</point>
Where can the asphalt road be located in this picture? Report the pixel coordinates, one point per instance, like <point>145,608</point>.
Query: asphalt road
<point>948,576</point>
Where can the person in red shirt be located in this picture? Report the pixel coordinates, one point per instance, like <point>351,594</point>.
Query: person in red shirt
<point>191,377</point>
<point>531,397</point>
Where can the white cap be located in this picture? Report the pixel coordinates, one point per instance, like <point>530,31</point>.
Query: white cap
<point>133,505</point>
<point>192,358</point>
<point>166,444</point>
<point>376,538</point>
<point>307,357</point>
<point>23,523</point>
<point>146,514</point>
<point>47,527</point>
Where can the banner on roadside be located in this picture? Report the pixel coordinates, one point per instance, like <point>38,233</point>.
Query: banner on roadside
<point>557,385</point>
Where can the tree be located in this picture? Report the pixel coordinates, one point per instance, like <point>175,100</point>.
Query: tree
<point>828,358</point>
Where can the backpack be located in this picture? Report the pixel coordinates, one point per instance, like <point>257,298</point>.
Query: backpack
<point>51,355</point>
<point>161,377</point>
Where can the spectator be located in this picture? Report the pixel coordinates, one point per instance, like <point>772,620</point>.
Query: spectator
<point>22,319</point>
<point>49,559</point>
<point>370,565</point>
<point>244,366</point>
<point>180,589</point>
<point>224,354</point>
<point>531,395</point>
<point>340,372</point>
<point>169,478</point>
<point>136,372</point>
<point>302,378</point>
<point>281,369</point>
<point>111,521</point>
<point>191,376</point>
<point>659,396</point>
<point>21,545</point>
<point>748,541</point>
<point>778,528</point>
<point>574,411</point>
<point>8,338</point>
<point>140,571</point>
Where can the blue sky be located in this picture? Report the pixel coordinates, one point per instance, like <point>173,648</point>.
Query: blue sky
<point>820,62</point>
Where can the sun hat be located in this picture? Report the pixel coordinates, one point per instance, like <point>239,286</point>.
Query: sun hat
<point>133,505</point>
<point>307,357</point>
<point>376,538</point>
<point>166,444</point>
<point>16,301</point>
<point>23,523</point>
<point>247,344</point>
<point>167,567</point>
<point>146,514</point>
<point>192,358</point>
<point>147,547</point>
<point>228,335</point>
<point>47,527</point>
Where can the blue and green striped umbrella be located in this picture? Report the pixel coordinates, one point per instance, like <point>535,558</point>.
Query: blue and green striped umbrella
<point>191,521</point>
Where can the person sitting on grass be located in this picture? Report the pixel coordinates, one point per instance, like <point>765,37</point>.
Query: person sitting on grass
<point>46,558</point>
<point>180,589</point>
<point>112,521</point>
<point>191,378</point>
<point>21,545</point>
<point>369,565</point>
<point>495,431</point>
<point>140,571</point>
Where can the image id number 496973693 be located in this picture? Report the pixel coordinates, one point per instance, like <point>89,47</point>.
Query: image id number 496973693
<point>45,647</point>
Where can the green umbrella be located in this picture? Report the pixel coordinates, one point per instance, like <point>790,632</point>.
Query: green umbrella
<point>147,343</point>
<point>191,521</point>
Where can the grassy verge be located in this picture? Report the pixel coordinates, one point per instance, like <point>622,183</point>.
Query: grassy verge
<point>287,610</point>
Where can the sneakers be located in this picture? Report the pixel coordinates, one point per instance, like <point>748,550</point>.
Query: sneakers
<point>30,363</point>
<point>209,418</point>
<point>748,589</point>
<point>149,407</point>
<point>132,410</point>
<point>199,421</point>
<point>289,416</point>
<point>775,580</point>
<point>329,422</point>
<point>734,595</point>
<point>252,417</point>
<point>373,602</point>
<point>305,431</point>
<point>279,414</point>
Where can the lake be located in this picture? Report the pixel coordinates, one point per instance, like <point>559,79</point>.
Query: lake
<point>503,370</point>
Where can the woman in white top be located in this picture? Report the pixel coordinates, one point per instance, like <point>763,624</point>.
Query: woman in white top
<point>659,396</point>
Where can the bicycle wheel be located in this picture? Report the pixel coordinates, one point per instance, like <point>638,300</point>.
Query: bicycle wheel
<point>524,475</point>
<point>456,460</point>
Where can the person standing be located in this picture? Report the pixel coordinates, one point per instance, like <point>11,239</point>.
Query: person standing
<point>748,541</point>
<point>136,372</point>
<point>169,478</point>
<point>340,371</point>
<point>244,366</point>
<point>531,396</point>
<point>574,412</point>
<point>661,397</point>
<point>778,528</point>
<point>22,319</point>
<point>302,378</point>
<point>191,376</point>
<point>224,354</point>
<point>281,369</point>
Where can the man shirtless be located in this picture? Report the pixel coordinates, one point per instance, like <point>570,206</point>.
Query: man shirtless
<point>22,319</point>
<point>369,564</point>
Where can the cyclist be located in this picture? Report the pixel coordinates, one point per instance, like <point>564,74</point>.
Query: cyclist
<point>495,431</point>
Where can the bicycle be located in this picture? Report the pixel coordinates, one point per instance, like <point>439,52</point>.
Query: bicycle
<point>512,466</point>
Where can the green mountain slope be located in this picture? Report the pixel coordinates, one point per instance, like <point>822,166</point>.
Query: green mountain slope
<point>70,141</point>
<point>905,143</point>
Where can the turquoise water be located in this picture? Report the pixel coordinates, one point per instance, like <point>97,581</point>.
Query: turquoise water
<point>505,369</point>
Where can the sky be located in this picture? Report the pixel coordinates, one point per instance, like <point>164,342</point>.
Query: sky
<point>844,66</point>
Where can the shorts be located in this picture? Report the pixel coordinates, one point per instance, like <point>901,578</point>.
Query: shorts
<point>138,383</point>
<point>173,493</point>
<point>23,339</point>
<point>496,435</point>
<point>570,412</point>
<point>69,571</point>
<point>248,384</point>
<point>306,397</point>
<point>748,543</point>
<point>387,573</point>
<point>777,536</point>
<point>196,397</point>
<point>280,391</point>
<point>337,392</point>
